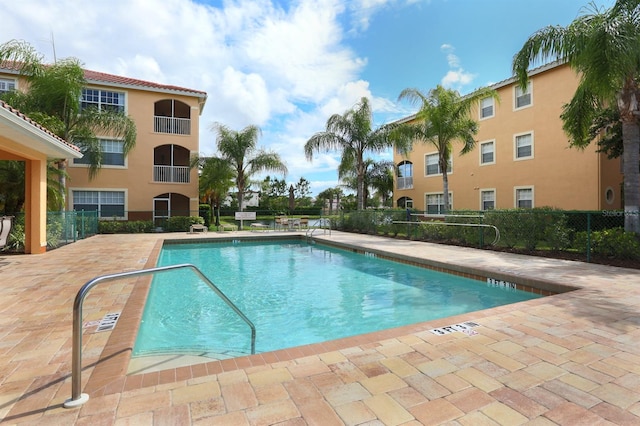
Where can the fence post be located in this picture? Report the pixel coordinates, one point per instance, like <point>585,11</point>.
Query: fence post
<point>481,228</point>
<point>588,237</point>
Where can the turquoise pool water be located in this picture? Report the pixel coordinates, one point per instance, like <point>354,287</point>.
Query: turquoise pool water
<point>295,294</point>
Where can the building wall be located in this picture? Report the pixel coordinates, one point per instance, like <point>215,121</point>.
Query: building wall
<point>560,176</point>
<point>136,178</point>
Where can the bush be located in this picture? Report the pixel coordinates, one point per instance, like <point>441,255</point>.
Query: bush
<point>614,242</point>
<point>125,227</point>
<point>182,223</point>
<point>204,210</point>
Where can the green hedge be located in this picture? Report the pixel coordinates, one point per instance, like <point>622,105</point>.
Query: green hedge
<point>125,227</point>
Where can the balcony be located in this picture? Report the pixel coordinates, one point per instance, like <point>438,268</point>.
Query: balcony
<point>172,125</point>
<point>172,174</point>
<point>404,182</point>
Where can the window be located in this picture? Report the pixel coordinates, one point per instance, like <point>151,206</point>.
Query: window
<point>487,199</point>
<point>524,146</point>
<point>405,175</point>
<point>524,198</point>
<point>487,153</point>
<point>108,204</point>
<point>112,153</point>
<point>7,85</point>
<point>522,97</point>
<point>432,166</point>
<point>486,108</point>
<point>435,203</point>
<point>102,100</point>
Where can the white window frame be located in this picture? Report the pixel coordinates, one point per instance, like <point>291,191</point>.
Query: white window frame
<point>125,192</point>
<point>515,145</point>
<point>8,85</point>
<point>493,144</point>
<point>432,154</point>
<point>99,104</point>
<point>482,192</point>
<point>407,181</point>
<point>107,166</point>
<point>482,108</point>
<point>518,93</point>
<point>440,200</point>
<point>516,199</point>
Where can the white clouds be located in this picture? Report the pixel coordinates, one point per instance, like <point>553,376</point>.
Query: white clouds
<point>286,70</point>
<point>456,77</point>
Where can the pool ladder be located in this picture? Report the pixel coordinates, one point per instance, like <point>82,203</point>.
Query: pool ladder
<point>325,225</point>
<point>77,397</point>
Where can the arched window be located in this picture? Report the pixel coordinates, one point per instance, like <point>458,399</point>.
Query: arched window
<point>172,116</point>
<point>405,175</point>
<point>171,164</point>
<point>405,203</point>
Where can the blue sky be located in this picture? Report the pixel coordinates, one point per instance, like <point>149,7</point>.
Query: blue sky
<point>286,66</point>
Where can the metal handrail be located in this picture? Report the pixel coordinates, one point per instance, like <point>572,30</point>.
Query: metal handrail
<point>475,225</point>
<point>77,397</point>
<point>309,233</point>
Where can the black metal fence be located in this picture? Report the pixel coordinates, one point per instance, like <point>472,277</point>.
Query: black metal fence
<point>585,233</point>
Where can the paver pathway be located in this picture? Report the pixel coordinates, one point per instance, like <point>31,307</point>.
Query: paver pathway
<point>572,358</point>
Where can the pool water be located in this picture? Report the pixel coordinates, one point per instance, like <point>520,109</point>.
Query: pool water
<point>295,294</point>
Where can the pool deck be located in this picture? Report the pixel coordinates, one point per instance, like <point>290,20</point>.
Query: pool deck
<point>571,358</point>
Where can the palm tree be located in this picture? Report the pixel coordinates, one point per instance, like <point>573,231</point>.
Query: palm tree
<point>239,149</point>
<point>444,117</point>
<point>53,100</point>
<point>216,178</point>
<point>352,134</point>
<point>381,179</point>
<point>603,47</point>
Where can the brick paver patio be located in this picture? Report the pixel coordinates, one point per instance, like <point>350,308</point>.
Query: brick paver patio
<point>571,358</point>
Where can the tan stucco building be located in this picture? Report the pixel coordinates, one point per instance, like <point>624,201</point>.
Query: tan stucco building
<point>154,181</point>
<point>522,157</point>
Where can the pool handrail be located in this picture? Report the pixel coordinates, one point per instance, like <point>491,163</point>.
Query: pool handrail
<point>444,216</point>
<point>77,397</point>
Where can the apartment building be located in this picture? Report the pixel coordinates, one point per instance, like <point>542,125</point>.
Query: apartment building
<point>155,180</point>
<point>522,157</point>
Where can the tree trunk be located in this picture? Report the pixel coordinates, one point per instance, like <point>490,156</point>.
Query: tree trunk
<point>444,163</point>
<point>631,163</point>
<point>62,166</point>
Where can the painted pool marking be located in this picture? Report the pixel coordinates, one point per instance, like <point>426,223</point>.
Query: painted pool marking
<point>464,327</point>
<point>108,322</point>
<point>492,282</point>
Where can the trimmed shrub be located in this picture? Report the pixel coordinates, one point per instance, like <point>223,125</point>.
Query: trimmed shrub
<point>125,227</point>
<point>182,223</point>
<point>616,243</point>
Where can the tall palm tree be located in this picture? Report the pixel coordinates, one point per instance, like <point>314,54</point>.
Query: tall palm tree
<point>381,179</point>
<point>53,100</point>
<point>603,47</point>
<point>352,134</point>
<point>216,178</point>
<point>239,149</point>
<point>444,117</point>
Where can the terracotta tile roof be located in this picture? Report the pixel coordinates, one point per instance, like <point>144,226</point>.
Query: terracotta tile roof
<point>17,113</point>
<point>97,77</point>
<point>100,77</point>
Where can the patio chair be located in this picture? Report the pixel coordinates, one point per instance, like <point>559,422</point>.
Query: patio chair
<point>281,222</point>
<point>5,229</point>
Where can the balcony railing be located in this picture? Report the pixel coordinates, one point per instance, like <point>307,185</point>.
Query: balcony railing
<point>172,125</point>
<point>405,182</point>
<point>175,174</point>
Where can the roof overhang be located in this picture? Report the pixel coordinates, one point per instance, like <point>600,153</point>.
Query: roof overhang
<point>34,138</point>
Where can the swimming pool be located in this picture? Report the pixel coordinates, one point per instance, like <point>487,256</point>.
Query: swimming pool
<point>295,294</point>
